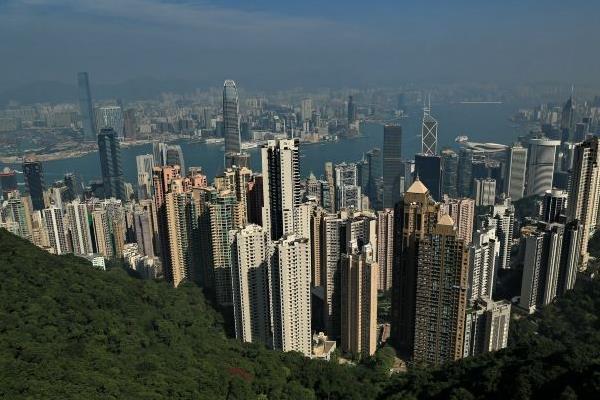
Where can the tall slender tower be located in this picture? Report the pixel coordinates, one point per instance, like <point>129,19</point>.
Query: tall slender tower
<point>34,180</point>
<point>281,186</point>
<point>441,295</point>
<point>392,164</point>
<point>449,173</point>
<point>415,217</point>
<point>584,193</point>
<point>359,279</point>
<point>144,163</point>
<point>567,121</point>
<point>181,220</point>
<point>250,253</point>
<point>516,167</point>
<point>110,164</point>
<point>385,247</point>
<point>429,132</point>
<point>289,281</point>
<point>231,122</point>
<point>85,106</point>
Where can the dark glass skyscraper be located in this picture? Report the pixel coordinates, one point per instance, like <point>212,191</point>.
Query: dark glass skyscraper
<point>392,164</point>
<point>429,170</point>
<point>567,121</point>
<point>85,106</point>
<point>34,179</point>
<point>231,120</point>
<point>351,110</point>
<point>465,178</point>
<point>449,173</point>
<point>110,164</point>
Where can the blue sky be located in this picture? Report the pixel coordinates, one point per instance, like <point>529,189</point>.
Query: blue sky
<point>300,43</point>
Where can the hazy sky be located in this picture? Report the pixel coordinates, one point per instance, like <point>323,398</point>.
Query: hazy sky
<point>296,43</point>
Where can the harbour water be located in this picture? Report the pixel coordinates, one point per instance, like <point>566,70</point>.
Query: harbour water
<point>480,122</point>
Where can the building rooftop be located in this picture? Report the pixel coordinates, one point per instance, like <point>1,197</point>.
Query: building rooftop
<point>446,220</point>
<point>417,187</point>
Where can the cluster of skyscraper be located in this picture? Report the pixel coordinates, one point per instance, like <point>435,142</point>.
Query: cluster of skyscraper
<point>295,257</point>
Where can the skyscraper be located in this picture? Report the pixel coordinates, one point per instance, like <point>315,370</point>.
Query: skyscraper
<point>281,186</point>
<point>584,191</point>
<point>74,185</point>
<point>110,117</point>
<point>414,217</point>
<point>483,253</point>
<point>516,168</point>
<point>359,280</point>
<point>485,191</point>
<point>554,205</point>
<point>250,256</point>
<point>289,282</point>
<point>231,121</point>
<point>465,177</point>
<point>146,229</point>
<point>449,172</point>
<point>102,233</point>
<point>462,212</point>
<point>17,210</point>
<point>161,181</point>
<point>109,150</point>
<point>441,295</point>
<point>504,220</point>
<point>385,247</point>
<point>392,168</point>
<point>429,132</point>
<point>429,170</point>
<point>57,233</point>
<point>540,165</point>
<point>351,110</point>
<point>329,177</point>
<point>332,246</point>
<point>486,326</point>
<point>129,124</point>
<point>569,257</point>
<point>541,266</point>
<point>567,120</point>
<point>34,180</point>
<point>373,159</point>
<point>181,225</point>
<point>348,193</point>
<point>145,164</point>
<point>222,210</point>
<point>306,109</point>
<point>79,227</point>
<point>85,106</point>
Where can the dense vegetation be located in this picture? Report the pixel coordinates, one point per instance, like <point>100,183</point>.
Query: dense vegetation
<point>68,331</point>
<point>526,207</point>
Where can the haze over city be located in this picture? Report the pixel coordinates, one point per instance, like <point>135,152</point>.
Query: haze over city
<point>278,44</point>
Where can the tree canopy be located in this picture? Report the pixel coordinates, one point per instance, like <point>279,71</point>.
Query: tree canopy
<point>69,331</point>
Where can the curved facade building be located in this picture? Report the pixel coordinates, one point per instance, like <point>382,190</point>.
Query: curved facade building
<point>231,118</point>
<point>540,165</point>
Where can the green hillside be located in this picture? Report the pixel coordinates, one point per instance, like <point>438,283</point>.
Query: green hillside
<point>68,331</point>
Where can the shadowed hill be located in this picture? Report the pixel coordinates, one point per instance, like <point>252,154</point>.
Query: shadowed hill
<point>68,331</point>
